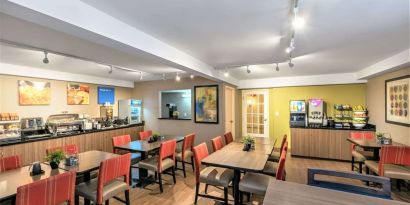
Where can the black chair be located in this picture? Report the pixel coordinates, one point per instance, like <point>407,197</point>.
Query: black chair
<point>383,192</point>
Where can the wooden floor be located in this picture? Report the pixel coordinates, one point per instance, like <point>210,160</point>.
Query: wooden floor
<point>183,192</point>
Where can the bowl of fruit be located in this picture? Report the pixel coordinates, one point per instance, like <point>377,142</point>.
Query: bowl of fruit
<point>359,116</point>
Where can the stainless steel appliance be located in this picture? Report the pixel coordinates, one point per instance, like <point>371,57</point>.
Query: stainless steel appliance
<point>297,113</point>
<point>130,109</point>
<point>316,109</point>
<point>63,124</point>
<point>9,130</point>
<point>33,127</point>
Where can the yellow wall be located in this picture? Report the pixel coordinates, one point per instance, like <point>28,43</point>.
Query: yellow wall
<point>353,94</point>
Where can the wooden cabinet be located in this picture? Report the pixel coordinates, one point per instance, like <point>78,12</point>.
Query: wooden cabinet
<point>102,140</point>
<point>321,143</point>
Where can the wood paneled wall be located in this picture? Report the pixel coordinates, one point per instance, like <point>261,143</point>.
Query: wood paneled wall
<point>321,143</point>
<point>36,151</point>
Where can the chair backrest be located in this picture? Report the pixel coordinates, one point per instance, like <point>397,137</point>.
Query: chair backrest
<point>50,191</point>
<point>393,154</point>
<point>145,134</point>
<point>200,152</point>
<point>384,192</point>
<point>284,139</point>
<point>217,143</point>
<point>10,162</point>
<point>120,140</point>
<point>361,136</point>
<point>166,150</point>
<point>280,172</point>
<point>188,144</point>
<point>70,149</point>
<point>228,137</point>
<point>112,169</point>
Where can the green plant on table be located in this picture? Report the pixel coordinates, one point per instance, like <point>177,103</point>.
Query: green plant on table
<point>379,135</point>
<point>55,156</point>
<point>156,136</point>
<point>248,140</point>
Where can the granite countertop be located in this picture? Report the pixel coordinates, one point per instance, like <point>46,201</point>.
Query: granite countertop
<point>368,127</point>
<point>27,140</point>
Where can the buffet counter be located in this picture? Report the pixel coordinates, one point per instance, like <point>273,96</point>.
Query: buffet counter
<point>35,149</point>
<point>323,142</point>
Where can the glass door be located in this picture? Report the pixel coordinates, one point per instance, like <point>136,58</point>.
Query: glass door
<point>255,110</point>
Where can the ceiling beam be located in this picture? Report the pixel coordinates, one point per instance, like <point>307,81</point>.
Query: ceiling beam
<point>79,19</point>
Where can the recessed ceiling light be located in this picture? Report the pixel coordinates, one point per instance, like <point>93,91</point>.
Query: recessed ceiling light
<point>288,50</point>
<point>177,78</point>
<point>140,75</point>
<point>226,74</point>
<point>298,22</point>
<point>192,76</point>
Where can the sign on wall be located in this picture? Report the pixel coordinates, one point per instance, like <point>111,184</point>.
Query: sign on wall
<point>106,95</point>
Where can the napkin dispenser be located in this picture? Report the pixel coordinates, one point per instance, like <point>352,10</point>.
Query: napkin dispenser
<point>36,168</point>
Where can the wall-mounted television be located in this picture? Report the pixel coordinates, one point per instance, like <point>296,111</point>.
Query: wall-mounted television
<point>106,95</point>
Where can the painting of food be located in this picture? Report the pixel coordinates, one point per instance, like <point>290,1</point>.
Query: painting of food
<point>34,93</point>
<point>397,101</point>
<point>206,104</point>
<point>78,94</point>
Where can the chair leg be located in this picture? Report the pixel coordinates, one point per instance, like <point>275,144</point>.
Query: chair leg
<point>107,202</point>
<point>196,192</point>
<point>130,176</point>
<point>248,197</point>
<point>240,197</point>
<point>398,184</point>
<point>226,195</point>
<point>77,200</point>
<point>156,175</point>
<point>160,182</point>
<point>183,168</point>
<point>367,172</point>
<point>127,197</point>
<point>206,188</point>
<point>192,163</point>
<point>176,164</point>
<point>360,167</point>
<point>173,175</point>
<point>352,163</point>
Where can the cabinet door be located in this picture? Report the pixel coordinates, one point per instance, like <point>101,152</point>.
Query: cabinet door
<point>300,141</point>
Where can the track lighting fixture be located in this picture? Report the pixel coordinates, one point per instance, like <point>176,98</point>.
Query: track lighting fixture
<point>140,75</point>
<point>45,60</point>
<point>110,71</point>
<point>177,78</point>
<point>277,66</point>
<point>192,76</point>
<point>290,63</point>
<point>163,76</point>
<point>248,70</point>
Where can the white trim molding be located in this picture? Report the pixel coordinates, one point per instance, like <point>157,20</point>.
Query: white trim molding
<point>16,70</point>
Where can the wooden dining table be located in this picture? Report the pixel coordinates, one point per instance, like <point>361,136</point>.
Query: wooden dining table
<point>260,140</point>
<point>12,179</point>
<point>144,147</point>
<point>290,193</point>
<point>370,144</point>
<point>233,157</point>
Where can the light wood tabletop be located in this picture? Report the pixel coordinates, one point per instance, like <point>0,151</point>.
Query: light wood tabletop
<point>12,179</point>
<point>290,193</point>
<point>259,148</point>
<point>260,140</point>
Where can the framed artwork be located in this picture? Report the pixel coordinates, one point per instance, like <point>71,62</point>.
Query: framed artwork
<point>34,93</point>
<point>206,104</point>
<point>78,94</point>
<point>397,92</point>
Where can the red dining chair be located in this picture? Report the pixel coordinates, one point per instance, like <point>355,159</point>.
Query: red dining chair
<point>256,183</point>
<point>186,153</point>
<point>50,191</point>
<point>144,135</point>
<point>228,137</point>
<point>360,155</point>
<point>135,157</point>
<point>394,163</point>
<point>214,176</point>
<point>112,180</point>
<point>217,143</point>
<point>10,162</point>
<point>275,156</point>
<point>272,167</point>
<point>70,149</point>
<point>163,162</point>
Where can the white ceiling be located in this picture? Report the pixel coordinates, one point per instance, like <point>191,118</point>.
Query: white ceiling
<point>340,36</point>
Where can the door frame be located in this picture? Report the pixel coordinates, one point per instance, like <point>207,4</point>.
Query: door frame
<point>232,108</point>
<point>266,110</point>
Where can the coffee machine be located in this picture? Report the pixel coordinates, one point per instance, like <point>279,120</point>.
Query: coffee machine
<point>316,109</point>
<point>171,109</point>
<point>297,113</point>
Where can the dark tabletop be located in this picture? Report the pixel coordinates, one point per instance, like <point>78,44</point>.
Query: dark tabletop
<point>88,161</point>
<point>232,157</point>
<point>144,146</point>
<point>373,144</point>
<point>12,179</point>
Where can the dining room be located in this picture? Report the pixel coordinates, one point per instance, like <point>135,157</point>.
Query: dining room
<point>204,102</point>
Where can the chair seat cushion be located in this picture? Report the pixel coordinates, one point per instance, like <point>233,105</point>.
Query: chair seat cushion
<point>270,168</point>
<point>216,176</point>
<point>274,157</point>
<point>255,183</point>
<point>152,164</point>
<point>397,171</point>
<point>372,165</point>
<point>88,189</point>
<point>361,156</point>
<point>188,155</point>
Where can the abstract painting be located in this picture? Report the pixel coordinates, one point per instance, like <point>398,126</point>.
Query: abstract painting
<point>206,104</point>
<point>397,93</point>
<point>78,94</point>
<point>34,93</point>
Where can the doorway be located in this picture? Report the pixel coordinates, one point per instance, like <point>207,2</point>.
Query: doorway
<point>255,113</point>
<point>230,110</point>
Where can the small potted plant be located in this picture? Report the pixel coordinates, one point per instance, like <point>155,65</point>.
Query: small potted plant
<point>54,158</point>
<point>248,141</point>
<point>156,136</point>
<point>379,137</point>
